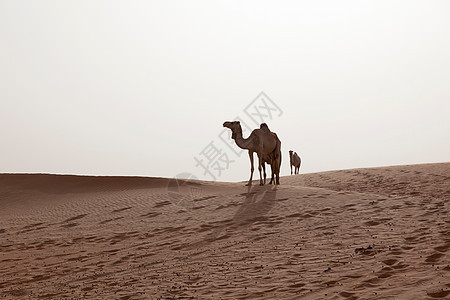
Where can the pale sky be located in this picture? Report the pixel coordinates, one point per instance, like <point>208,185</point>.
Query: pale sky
<point>143,87</point>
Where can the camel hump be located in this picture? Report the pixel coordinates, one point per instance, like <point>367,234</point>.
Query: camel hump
<point>264,126</point>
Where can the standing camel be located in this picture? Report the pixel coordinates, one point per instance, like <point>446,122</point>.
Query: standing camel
<point>295,161</point>
<point>263,142</point>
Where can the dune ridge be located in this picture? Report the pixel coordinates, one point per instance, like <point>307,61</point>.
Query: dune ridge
<point>374,233</point>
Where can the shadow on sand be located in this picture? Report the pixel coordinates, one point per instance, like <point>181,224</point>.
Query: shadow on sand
<point>258,202</point>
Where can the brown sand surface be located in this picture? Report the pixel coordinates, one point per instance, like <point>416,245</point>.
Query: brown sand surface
<point>380,233</point>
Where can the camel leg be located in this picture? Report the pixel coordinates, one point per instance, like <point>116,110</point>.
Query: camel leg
<point>277,170</point>
<point>273,172</point>
<point>264,171</point>
<point>291,169</point>
<point>260,168</point>
<point>250,154</point>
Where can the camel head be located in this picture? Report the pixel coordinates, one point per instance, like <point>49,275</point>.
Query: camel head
<point>235,127</point>
<point>290,153</point>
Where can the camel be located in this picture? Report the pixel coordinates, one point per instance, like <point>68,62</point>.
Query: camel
<point>263,142</point>
<point>295,161</point>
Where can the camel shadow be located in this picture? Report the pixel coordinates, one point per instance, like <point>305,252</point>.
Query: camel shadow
<point>258,202</point>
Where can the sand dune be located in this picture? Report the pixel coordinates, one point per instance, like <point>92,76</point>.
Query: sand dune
<point>381,233</point>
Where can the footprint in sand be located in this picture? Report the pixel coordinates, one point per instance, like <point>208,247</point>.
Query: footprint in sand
<point>121,209</point>
<point>439,294</point>
<point>74,218</point>
<point>433,258</point>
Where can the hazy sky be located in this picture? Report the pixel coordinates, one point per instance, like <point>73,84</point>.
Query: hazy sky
<point>141,88</point>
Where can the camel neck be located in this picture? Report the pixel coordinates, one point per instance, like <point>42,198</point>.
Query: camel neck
<point>241,141</point>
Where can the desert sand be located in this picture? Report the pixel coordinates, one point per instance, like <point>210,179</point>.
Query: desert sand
<point>379,233</point>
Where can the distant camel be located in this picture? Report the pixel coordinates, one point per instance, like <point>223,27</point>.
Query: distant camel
<point>295,161</point>
<point>263,142</point>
